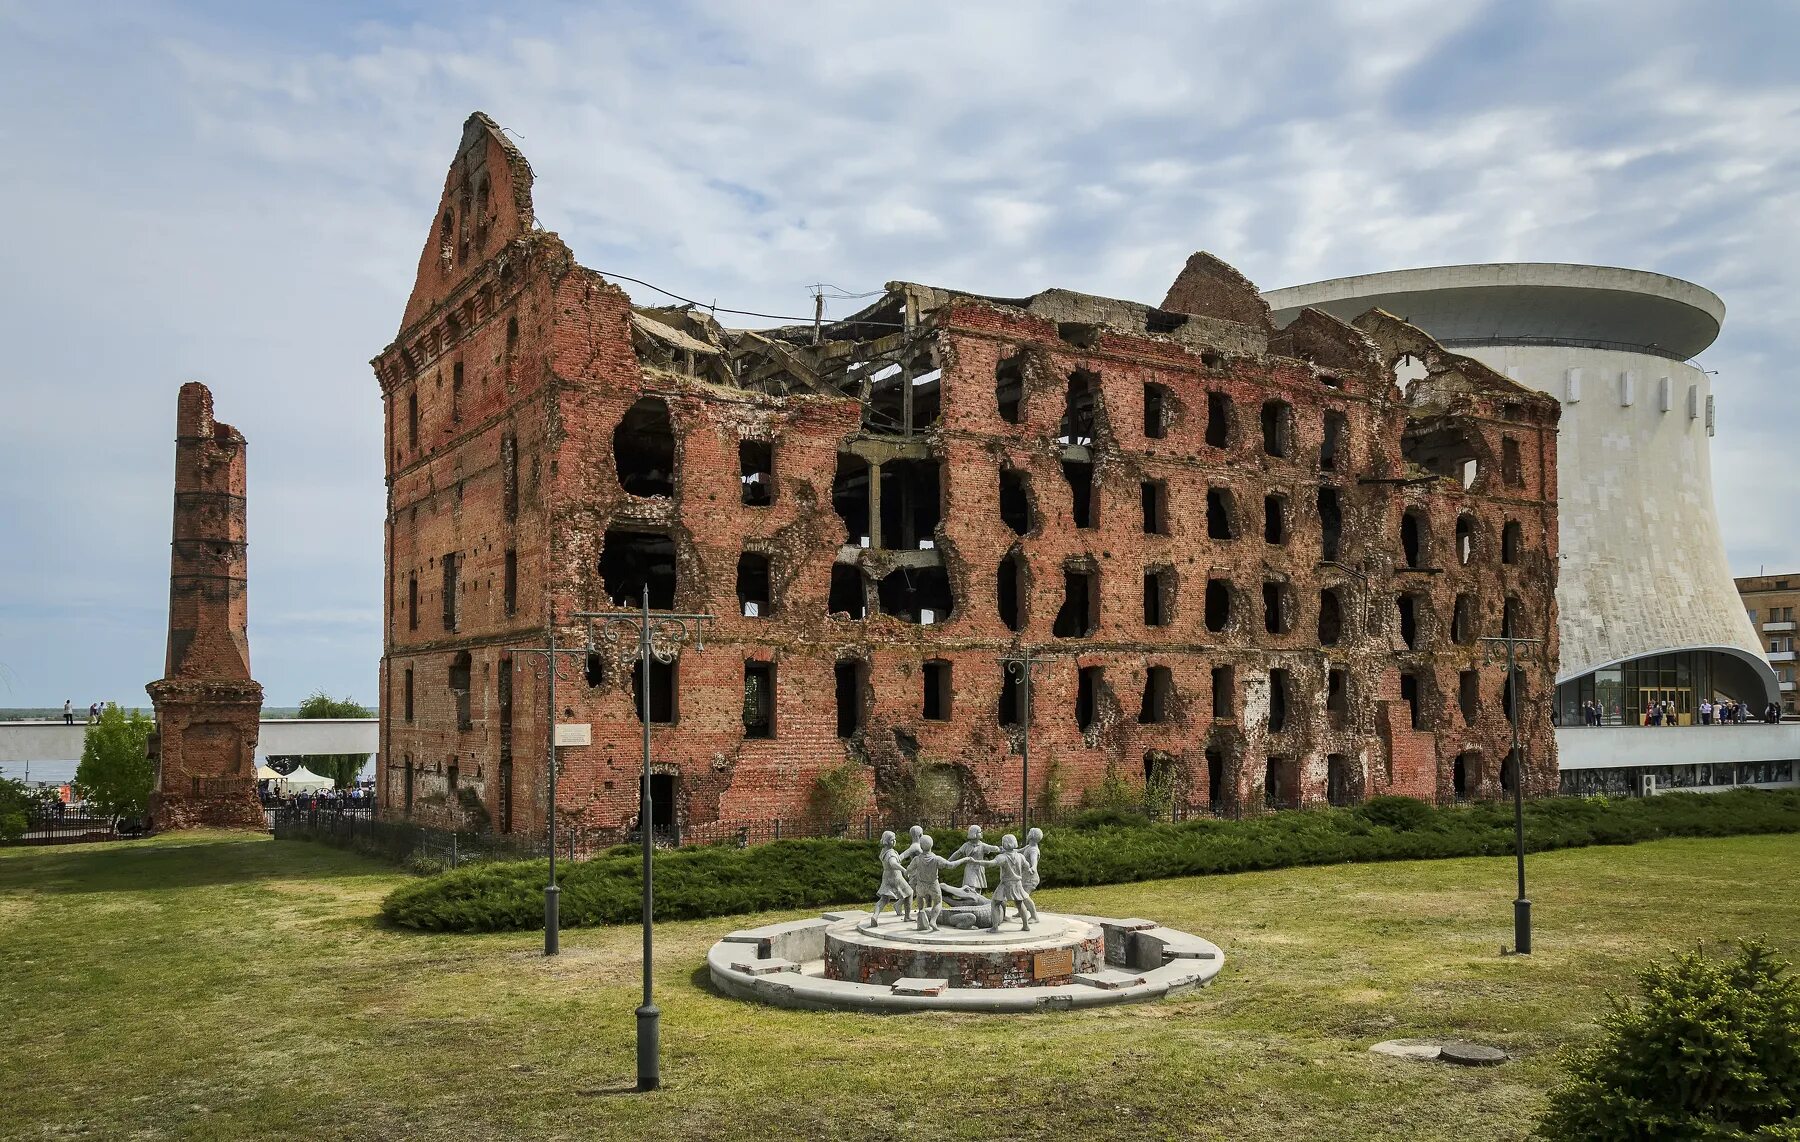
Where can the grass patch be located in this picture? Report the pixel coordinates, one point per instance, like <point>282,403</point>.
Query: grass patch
<point>223,986</point>
<point>703,882</point>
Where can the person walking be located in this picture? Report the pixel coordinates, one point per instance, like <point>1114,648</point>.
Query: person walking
<point>68,711</point>
<point>1706,708</point>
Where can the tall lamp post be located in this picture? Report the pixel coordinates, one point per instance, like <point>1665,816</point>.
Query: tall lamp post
<point>1521,904</point>
<point>660,636</point>
<point>552,894</point>
<point>1021,666</point>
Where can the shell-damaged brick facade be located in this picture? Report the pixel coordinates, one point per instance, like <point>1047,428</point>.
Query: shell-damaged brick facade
<point>1259,561</point>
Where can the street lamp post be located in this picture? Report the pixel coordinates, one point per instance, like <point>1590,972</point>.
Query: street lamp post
<point>661,636</point>
<point>1521,904</point>
<point>552,894</point>
<point>1020,666</point>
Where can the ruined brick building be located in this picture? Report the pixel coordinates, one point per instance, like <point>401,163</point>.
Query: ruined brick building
<point>1258,560</point>
<point>207,705</point>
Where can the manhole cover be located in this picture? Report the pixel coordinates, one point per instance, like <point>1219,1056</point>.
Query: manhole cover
<point>1423,1049</point>
<point>1472,1055</point>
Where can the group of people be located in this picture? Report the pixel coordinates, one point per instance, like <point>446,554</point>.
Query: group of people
<point>1725,712</point>
<point>905,886</point>
<point>93,711</point>
<point>355,799</point>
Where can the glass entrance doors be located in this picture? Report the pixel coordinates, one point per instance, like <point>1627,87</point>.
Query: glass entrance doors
<point>1675,702</point>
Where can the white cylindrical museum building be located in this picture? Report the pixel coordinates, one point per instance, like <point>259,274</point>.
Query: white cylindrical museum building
<point>1649,613</point>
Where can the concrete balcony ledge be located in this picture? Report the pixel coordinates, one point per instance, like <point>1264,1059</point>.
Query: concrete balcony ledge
<point>1781,656</point>
<point>1778,628</point>
<point>1610,747</point>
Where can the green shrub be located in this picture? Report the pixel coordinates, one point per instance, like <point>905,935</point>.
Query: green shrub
<point>1106,847</point>
<point>1712,1052</point>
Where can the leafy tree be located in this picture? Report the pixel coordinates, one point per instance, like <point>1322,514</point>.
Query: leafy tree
<point>341,768</point>
<point>1712,1052</point>
<point>16,802</point>
<point>115,775</point>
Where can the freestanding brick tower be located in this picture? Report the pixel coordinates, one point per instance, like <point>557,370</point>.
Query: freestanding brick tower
<point>207,705</point>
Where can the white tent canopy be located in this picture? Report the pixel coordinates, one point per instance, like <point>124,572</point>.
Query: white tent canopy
<point>264,773</point>
<point>304,780</point>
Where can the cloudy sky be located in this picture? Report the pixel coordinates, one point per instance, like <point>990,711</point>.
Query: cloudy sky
<point>237,193</point>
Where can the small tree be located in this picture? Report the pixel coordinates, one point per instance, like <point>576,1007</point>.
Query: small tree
<point>16,803</point>
<point>115,775</point>
<point>1712,1052</point>
<point>341,768</point>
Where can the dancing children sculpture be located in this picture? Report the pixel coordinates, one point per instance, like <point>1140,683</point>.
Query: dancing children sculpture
<point>928,894</point>
<point>911,851</point>
<point>1030,853</point>
<point>894,892</point>
<point>1013,866</point>
<point>974,850</point>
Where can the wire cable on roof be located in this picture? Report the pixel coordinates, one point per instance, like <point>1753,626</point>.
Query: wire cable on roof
<point>739,312</point>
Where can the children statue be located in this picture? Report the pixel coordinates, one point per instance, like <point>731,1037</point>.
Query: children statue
<point>928,894</point>
<point>911,851</point>
<point>974,850</point>
<point>894,890</point>
<point>1030,853</point>
<point>1012,865</point>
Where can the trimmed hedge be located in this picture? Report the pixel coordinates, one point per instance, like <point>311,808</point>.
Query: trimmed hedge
<point>702,882</point>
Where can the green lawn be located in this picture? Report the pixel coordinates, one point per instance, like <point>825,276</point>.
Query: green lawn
<point>222,986</point>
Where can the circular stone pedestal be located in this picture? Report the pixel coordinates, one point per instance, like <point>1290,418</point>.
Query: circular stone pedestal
<point>1052,952</point>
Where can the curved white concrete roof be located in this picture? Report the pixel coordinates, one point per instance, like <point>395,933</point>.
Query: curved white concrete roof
<point>1526,303</point>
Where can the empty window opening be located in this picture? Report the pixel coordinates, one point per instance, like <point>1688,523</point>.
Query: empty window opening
<point>1015,500</point>
<point>850,497</point>
<point>1411,538</point>
<point>1011,708</point>
<point>1078,408</point>
<point>1462,620</point>
<point>1512,618</point>
<point>1275,527</point>
<point>456,387</point>
<point>1010,590</point>
<point>1277,427</point>
<point>1215,778</point>
<point>851,676</point>
<point>412,420</point>
<point>1087,697</point>
<point>756,472</point>
<point>1277,617</point>
<point>1465,539</point>
<point>1331,445</point>
<point>1331,616</point>
<point>1512,541</point>
<point>1155,497</point>
<point>459,689</point>
<point>1280,790</point>
<point>754,599</point>
<point>1340,783</point>
<point>1081,602</point>
<point>1331,524</point>
<point>1337,697</point>
<point>1408,606</point>
<point>1509,770</point>
<point>1224,692</point>
<point>1409,693</point>
<point>1512,472</point>
<point>1442,448</point>
<point>512,336</point>
<point>1081,334</point>
<point>1221,520</point>
<point>662,802</point>
<point>848,598</point>
<point>1468,695</point>
<point>1218,605</point>
<point>509,476</point>
<point>1159,595</point>
<point>759,699</point>
<point>407,695</point>
<point>1218,420</point>
<point>644,449</point>
<point>1159,696</point>
<point>916,595</point>
<point>935,677</point>
<point>1331,381</point>
<point>632,561</point>
<point>1156,411</point>
<point>1009,387</point>
<point>450,584</point>
<point>911,504</point>
<point>1512,695</point>
<point>1465,773</point>
<point>664,693</point>
<point>1162,321</point>
<point>1279,700</point>
<point>412,600</point>
<point>1080,478</point>
<point>509,581</point>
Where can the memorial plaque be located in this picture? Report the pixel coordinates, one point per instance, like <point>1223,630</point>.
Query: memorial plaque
<point>574,733</point>
<point>1054,964</point>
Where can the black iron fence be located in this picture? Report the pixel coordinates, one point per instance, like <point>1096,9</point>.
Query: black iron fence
<point>59,825</point>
